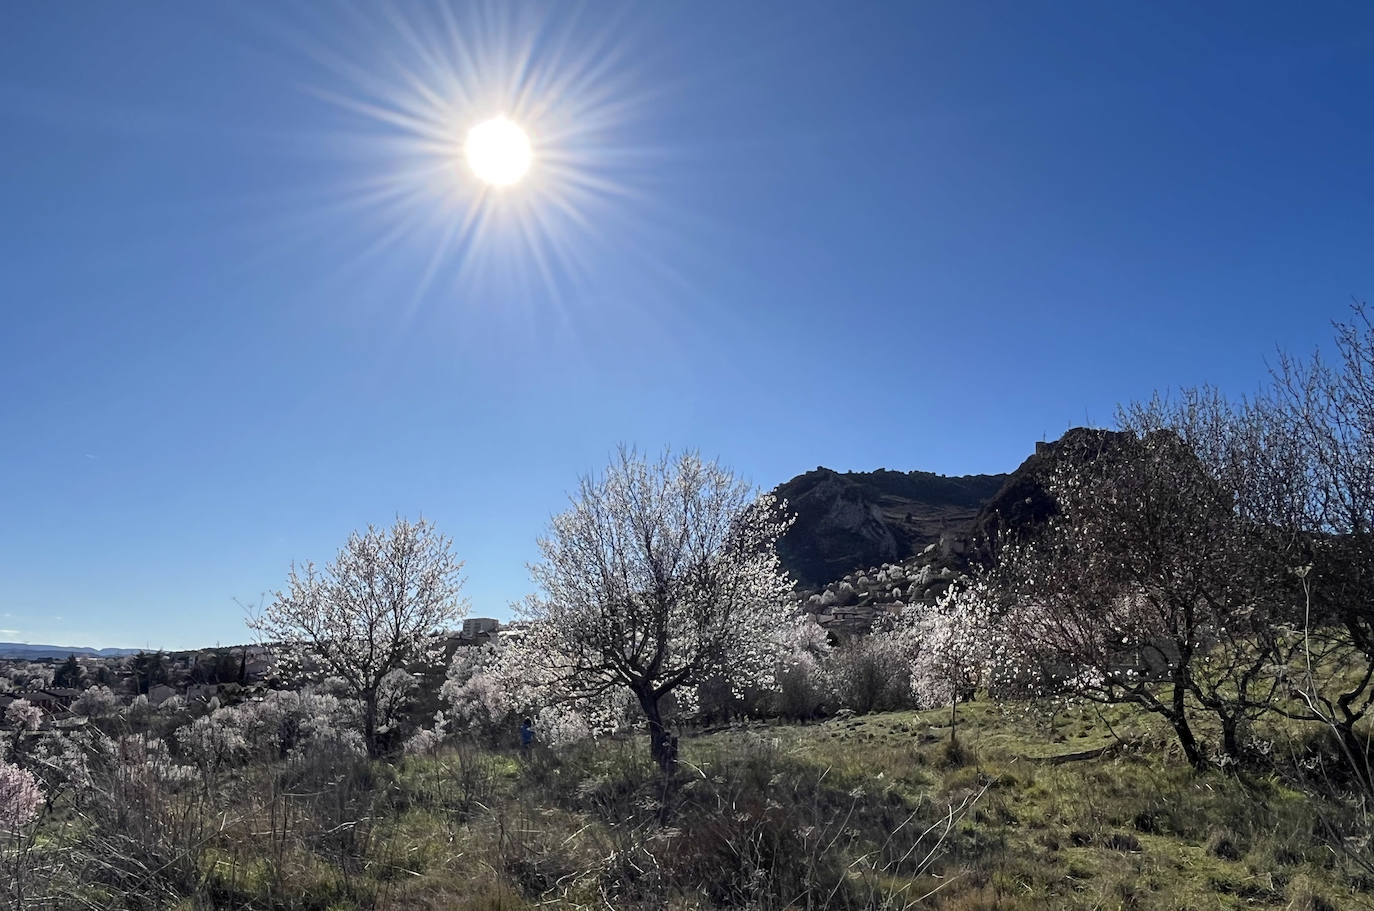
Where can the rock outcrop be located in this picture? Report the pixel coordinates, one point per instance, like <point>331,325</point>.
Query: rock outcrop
<point>849,521</point>
<point>851,605</point>
<point>869,543</point>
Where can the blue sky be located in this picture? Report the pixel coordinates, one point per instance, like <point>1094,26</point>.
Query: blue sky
<point>913,236</point>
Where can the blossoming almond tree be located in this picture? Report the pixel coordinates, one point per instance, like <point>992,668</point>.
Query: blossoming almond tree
<point>1324,412</point>
<point>952,645</point>
<point>377,607</point>
<point>662,575</point>
<point>1150,587</point>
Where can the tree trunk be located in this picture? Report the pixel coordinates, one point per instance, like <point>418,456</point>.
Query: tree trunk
<point>660,744</point>
<point>370,722</point>
<point>1191,749</point>
<point>1230,738</point>
<point>1178,717</point>
<point>1356,754</point>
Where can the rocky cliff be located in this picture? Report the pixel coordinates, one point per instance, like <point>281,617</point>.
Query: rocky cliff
<point>855,520</point>
<point>868,543</point>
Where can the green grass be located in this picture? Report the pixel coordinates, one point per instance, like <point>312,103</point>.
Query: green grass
<point>774,816</point>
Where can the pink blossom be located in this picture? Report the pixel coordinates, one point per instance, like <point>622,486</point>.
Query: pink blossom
<point>20,797</point>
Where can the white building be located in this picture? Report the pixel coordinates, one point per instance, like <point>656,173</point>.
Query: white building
<point>478,626</point>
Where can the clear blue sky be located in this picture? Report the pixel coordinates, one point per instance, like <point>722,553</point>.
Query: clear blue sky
<point>913,236</point>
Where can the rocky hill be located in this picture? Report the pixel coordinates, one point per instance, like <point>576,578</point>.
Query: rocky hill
<point>855,520</point>
<point>869,543</point>
<point>852,604</point>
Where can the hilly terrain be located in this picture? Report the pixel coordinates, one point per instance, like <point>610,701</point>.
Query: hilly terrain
<point>26,651</point>
<point>846,521</point>
<point>1024,502</point>
<point>849,522</point>
<point>866,544</point>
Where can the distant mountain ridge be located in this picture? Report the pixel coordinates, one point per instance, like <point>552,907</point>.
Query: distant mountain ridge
<point>846,521</point>
<point>37,652</point>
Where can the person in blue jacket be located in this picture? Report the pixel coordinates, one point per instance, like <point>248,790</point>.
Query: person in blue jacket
<point>526,735</point>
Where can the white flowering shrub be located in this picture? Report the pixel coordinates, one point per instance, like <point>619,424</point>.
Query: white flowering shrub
<point>97,702</point>
<point>953,647</point>
<point>23,715</point>
<point>275,726</point>
<point>482,697</point>
<point>425,742</point>
<point>325,736</point>
<point>801,677</point>
<point>557,727</point>
<point>871,674</point>
<point>34,676</point>
<point>20,798</point>
<point>213,741</point>
<point>147,761</point>
<point>491,688</point>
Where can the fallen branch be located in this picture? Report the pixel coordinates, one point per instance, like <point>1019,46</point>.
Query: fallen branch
<point>1106,752</point>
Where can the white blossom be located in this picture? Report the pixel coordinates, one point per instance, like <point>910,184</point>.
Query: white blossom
<point>24,715</point>
<point>380,605</point>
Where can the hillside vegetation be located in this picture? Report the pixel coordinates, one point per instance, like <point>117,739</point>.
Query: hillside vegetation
<point>1077,811</point>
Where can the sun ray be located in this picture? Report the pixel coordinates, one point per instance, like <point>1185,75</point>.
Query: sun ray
<point>411,86</point>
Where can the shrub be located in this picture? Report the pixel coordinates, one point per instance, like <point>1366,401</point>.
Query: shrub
<point>20,798</point>
<point>1222,843</point>
<point>24,715</point>
<point>871,675</point>
<point>97,702</point>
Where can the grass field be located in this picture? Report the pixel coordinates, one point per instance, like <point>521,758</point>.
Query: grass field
<point>876,811</point>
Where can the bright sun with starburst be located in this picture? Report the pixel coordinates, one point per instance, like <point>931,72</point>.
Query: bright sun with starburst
<point>498,152</point>
<point>499,142</point>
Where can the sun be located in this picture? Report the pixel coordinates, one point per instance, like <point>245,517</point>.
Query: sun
<point>498,152</point>
<point>501,142</point>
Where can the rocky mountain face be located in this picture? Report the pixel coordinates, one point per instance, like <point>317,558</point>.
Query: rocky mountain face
<point>845,522</point>
<point>865,544</point>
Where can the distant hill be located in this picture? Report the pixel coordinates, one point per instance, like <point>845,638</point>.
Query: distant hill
<point>853,520</point>
<point>861,520</point>
<point>38,652</point>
